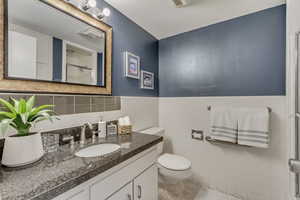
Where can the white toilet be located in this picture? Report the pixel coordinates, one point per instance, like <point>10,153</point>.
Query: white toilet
<point>171,166</point>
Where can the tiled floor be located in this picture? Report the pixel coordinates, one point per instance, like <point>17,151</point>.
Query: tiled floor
<point>190,190</point>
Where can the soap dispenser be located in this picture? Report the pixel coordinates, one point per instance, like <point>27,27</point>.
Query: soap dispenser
<point>101,128</point>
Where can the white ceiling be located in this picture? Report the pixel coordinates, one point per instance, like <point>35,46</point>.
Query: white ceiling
<point>162,19</point>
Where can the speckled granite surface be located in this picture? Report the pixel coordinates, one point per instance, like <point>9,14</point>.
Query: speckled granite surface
<point>61,171</point>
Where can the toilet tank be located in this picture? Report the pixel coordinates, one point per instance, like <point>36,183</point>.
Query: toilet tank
<point>156,131</point>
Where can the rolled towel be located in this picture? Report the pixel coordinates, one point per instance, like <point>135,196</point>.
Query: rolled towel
<point>253,127</point>
<point>127,121</point>
<point>121,121</point>
<point>223,124</point>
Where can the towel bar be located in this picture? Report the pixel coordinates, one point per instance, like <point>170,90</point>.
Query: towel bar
<point>213,141</point>
<point>270,109</point>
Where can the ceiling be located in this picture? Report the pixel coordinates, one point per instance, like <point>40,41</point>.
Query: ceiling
<point>162,19</point>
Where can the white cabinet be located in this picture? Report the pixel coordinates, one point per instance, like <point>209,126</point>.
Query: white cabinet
<point>124,193</point>
<point>146,185</point>
<point>143,187</point>
<point>135,179</point>
<point>104,188</point>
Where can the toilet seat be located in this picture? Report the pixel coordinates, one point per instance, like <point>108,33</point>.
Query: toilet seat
<point>174,162</point>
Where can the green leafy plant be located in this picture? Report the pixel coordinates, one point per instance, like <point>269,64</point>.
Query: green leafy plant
<point>22,115</point>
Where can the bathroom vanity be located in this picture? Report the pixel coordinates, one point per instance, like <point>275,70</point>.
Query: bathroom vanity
<point>127,174</point>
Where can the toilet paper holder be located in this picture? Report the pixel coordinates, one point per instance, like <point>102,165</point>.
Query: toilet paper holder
<point>197,135</point>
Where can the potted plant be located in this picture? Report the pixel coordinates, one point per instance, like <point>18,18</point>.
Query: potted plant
<point>24,147</point>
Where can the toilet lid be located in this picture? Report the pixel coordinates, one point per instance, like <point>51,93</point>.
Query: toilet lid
<point>174,162</point>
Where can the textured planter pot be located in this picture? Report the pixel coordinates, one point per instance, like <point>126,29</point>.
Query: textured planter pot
<point>22,150</point>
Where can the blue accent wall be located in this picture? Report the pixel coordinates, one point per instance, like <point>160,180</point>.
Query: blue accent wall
<point>244,56</point>
<point>128,36</point>
<point>57,59</point>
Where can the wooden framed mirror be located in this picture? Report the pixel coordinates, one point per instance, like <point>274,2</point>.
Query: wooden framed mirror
<point>50,46</point>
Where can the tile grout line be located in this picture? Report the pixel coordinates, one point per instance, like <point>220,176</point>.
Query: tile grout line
<point>104,104</point>
<point>91,104</point>
<point>74,105</point>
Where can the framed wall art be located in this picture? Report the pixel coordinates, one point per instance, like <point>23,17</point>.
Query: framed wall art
<point>132,65</point>
<point>147,80</point>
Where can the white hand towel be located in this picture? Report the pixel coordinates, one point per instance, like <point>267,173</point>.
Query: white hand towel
<point>223,124</point>
<point>253,127</point>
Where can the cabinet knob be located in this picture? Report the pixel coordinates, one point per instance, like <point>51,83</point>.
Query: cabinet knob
<point>129,197</point>
<point>139,192</point>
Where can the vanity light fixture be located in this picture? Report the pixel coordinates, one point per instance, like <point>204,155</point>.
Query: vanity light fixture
<point>90,7</point>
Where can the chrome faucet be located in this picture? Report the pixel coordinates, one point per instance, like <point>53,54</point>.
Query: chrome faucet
<point>83,129</point>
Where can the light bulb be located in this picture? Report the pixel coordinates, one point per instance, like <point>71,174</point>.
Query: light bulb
<point>106,12</point>
<point>89,4</point>
<point>92,3</point>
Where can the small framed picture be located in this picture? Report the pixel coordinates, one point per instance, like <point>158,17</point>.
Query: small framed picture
<point>132,65</point>
<point>147,80</point>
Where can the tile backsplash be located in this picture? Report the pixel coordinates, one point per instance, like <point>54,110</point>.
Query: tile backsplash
<point>66,104</point>
<point>143,111</point>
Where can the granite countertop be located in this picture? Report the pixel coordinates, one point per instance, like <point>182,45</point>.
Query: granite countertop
<point>60,171</point>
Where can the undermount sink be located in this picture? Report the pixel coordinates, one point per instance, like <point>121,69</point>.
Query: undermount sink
<point>98,150</point>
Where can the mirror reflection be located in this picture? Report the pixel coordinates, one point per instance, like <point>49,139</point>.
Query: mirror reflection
<point>48,45</point>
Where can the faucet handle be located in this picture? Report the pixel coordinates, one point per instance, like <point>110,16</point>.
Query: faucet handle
<point>68,138</point>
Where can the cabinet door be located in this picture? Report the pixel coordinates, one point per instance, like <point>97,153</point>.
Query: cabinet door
<point>124,193</point>
<point>146,185</point>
